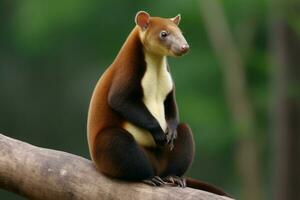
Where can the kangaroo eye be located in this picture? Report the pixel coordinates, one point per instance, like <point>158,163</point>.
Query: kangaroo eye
<point>163,34</point>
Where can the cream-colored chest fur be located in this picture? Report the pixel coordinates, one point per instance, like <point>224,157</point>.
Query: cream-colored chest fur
<point>157,84</point>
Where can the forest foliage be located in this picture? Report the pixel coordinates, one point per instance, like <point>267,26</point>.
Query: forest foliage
<point>53,52</point>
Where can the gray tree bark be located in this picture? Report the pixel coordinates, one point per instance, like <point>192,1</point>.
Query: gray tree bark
<point>39,173</point>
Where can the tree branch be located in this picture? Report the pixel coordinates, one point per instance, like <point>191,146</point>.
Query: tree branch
<point>39,173</point>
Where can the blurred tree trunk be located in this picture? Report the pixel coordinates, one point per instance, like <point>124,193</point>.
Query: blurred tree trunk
<point>285,48</point>
<point>233,66</point>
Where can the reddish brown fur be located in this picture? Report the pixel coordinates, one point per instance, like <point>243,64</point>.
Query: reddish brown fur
<point>101,115</point>
<point>113,149</point>
<point>151,38</point>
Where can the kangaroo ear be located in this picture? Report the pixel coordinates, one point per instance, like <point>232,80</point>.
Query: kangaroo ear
<point>176,19</point>
<point>142,19</point>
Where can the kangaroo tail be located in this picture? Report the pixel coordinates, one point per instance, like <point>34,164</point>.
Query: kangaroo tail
<point>196,184</point>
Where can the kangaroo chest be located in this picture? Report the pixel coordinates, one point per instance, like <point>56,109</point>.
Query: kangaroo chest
<point>156,83</point>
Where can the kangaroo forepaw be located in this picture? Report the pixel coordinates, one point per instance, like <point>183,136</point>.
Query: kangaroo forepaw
<point>155,181</point>
<point>175,181</point>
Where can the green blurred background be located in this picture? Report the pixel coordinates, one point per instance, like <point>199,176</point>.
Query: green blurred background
<point>238,87</point>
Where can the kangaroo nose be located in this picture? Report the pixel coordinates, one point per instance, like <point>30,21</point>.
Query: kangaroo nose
<point>184,48</point>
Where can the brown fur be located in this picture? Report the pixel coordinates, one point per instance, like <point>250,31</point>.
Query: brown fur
<point>121,70</point>
<point>118,99</point>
